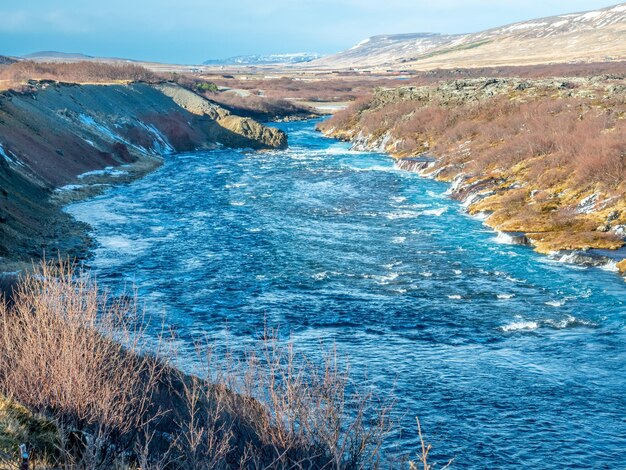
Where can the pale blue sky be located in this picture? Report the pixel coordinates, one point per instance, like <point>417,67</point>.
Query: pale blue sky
<point>191,31</point>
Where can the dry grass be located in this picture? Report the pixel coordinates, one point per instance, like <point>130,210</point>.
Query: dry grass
<point>76,357</point>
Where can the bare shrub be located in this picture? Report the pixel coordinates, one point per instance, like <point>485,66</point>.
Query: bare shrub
<point>56,360</point>
<point>295,414</point>
<point>77,357</point>
<point>259,107</point>
<point>79,72</point>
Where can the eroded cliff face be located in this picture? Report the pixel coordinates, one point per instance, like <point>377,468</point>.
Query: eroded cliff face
<point>542,161</point>
<point>58,141</point>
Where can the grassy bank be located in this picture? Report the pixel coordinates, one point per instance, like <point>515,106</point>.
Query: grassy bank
<point>544,157</point>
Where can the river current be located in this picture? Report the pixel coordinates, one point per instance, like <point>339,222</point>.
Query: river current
<point>509,359</point>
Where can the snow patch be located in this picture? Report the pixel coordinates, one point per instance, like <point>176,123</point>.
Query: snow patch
<point>589,16</point>
<point>586,206</point>
<point>362,43</point>
<point>109,170</point>
<point>160,144</point>
<point>101,129</point>
<point>5,154</point>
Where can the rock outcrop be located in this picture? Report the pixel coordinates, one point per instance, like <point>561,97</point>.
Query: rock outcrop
<point>56,138</point>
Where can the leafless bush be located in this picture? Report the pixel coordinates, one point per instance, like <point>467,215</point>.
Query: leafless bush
<point>79,72</point>
<point>69,352</point>
<point>57,359</point>
<point>258,107</point>
<point>296,414</point>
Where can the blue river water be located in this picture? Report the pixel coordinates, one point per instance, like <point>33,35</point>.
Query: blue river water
<point>509,359</point>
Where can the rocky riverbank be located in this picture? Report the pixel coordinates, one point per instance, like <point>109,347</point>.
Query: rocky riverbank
<point>540,160</point>
<point>61,141</point>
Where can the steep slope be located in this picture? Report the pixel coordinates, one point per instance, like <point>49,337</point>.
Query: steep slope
<point>57,140</point>
<point>593,36</point>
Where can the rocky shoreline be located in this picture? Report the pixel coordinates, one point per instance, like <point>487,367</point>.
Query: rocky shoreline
<point>62,142</point>
<point>591,218</point>
<point>592,257</point>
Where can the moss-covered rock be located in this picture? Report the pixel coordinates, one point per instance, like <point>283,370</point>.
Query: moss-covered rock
<point>18,425</point>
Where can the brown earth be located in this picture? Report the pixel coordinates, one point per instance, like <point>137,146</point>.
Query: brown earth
<point>52,133</point>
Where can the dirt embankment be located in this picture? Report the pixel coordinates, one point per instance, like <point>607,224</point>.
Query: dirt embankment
<point>542,160</point>
<point>58,140</point>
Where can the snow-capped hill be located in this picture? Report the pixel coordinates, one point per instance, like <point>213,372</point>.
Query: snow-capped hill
<point>388,46</point>
<point>269,59</point>
<point>563,24</point>
<point>597,35</point>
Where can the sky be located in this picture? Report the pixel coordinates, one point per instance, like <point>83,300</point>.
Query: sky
<point>191,31</point>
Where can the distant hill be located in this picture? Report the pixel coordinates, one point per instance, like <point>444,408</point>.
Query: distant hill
<point>55,55</point>
<point>4,60</point>
<point>270,59</point>
<point>593,36</point>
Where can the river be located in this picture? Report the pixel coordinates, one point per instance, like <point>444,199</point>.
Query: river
<point>510,359</point>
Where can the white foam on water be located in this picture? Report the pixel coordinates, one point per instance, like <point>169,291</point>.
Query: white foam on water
<point>398,240</point>
<point>116,242</point>
<point>505,296</point>
<point>109,171</point>
<point>503,239</point>
<point>610,266</point>
<point>392,265</point>
<point>567,322</point>
<point>482,216</point>
<point>520,325</point>
<point>386,279</point>
<point>237,203</point>
<point>458,272</point>
<point>381,168</point>
<point>69,187</point>
<point>398,198</point>
<point>426,274</point>
<point>454,297</point>
<point>402,215</point>
<point>555,303</point>
<point>320,276</point>
<point>435,212</point>
<point>433,194</point>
